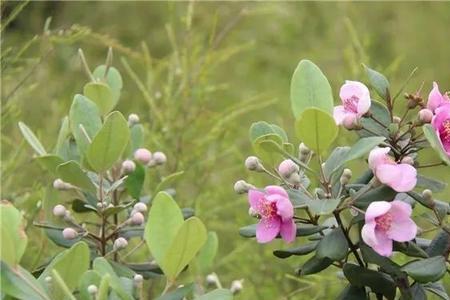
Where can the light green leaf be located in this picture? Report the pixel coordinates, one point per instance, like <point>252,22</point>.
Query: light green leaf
<point>100,94</point>
<point>426,270</point>
<point>113,79</point>
<point>72,173</point>
<point>168,181</point>
<point>316,129</point>
<point>64,132</point>
<point>322,206</point>
<point>84,112</point>
<point>103,289</point>
<point>50,162</point>
<point>32,140</point>
<point>102,266</point>
<point>190,238</point>
<point>379,82</point>
<point>310,88</point>
<point>136,139</point>
<point>218,294</point>
<point>59,285</point>
<point>267,147</point>
<point>14,240</point>
<point>435,143</point>
<point>259,129</point>
<point>164,220</point>
<point>333,246</point>
<point>109,143</point>
<point>208,252</point>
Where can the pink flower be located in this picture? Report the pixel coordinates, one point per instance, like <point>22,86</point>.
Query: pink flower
<point>386,222</point>
<point>441,123</point>
<point>355,98</point>
<point>436,99</point>
<point>276,212</point>
<point>399,176</point>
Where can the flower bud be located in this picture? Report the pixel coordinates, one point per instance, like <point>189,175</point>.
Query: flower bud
<point>138,279</point>
<point>60,185</point>
<point>133,119</point>
<point>344,180</point>
<point>294,179</point>
<point>408,160</point>
<point>120,243</point>
<point>159,158</point>
<point>212,279</point>
<point>427,195</point>
<point>140,207</point>
<point>347,173</point>
<point>128,166</point>
<point>92,289</point>
<point>137,219</point>
<point>143,156</point>
<point>303,150</point>
<point>425,115</point>
<point>242,187</point>
<point>236,286</point>
<point>69,233</point>
<point>396,119</point>
<point>59,211</point>
<point>287,168</point>
<point>252,212</point>
<point>252,163</point>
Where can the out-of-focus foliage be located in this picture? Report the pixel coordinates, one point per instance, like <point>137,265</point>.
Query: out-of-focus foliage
<point>200,74</point>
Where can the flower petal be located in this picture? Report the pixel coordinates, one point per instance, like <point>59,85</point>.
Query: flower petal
<point>435,98</point>
<point>401,177</point>
<point>275,189</point>
<point>384,244</point>
<point>267,229</point>
<point>368,233</point>
<point>285,209</point>
<point>378,156</point>
<point>400,210</point>
<point>339,114</point>
<point>288,231</point>
<point>402,230</point>
<point>376,209</point>
<point>255,199</point>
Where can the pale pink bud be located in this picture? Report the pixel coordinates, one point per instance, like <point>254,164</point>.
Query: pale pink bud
<point>137,219</point>
<point>143,156</point>
<point>242,187</point>
<point>252,163</point>
<point>128,166</point>
<point>133,119</point>
<point>59,210</point>
<point>120,243</point>
<point>69,233</point>
<point>236,286</point>
<point>92,289</point>
<point>159,158</point>
<point>287,168</point>
<point>60,185</point>
<point>140,207</point>
<point>349,122</point>
<point>425,115</point>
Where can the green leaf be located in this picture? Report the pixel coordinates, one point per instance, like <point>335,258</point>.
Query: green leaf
<point>297,197</point>
<point>60,285</point>
<point>100,94</point>
<point>168,181</point>
<point>361,147</point>
<point>314,265</point>
<point>72,173</point>
<point>410,249</point>
<point>316,129</point>
<point>310,88</point>
<point>305,230</point>
<point>19,283</point>
<point>178,294</point>
<point>136,139</point>
<point>379,112</point>
<point>335,161</point>
<point>353,293</point>
<point>190,238</point>
<point>206,255</point>
<point>32,140</point>
<point>102,266</point>
<point>381,193</point>
<point>333,246</point>
<point>430,183</point>
<point>388,266</point>
<point>88,278</point>
<point>218,294</point>
<point>50,162</point>
<point>267,147</point>
<point>322,206</point>
<point>113,79</point>
<point>70,265</point>
<point>440,244</point>
<point>63,134</point>
<point>377,281</point>
<point>259,129</point>
<point>300,250</point>
<point>426,270</point>
<point>84,112</point>
<point>379,82</point>
<point>280,132</point>
<point>437,288</point>
<point>109,143</point>
<point>135,181</point>
<point>103,289</point>
<point>14,240</point>
<point>164,220</point>
<point>435,143</point>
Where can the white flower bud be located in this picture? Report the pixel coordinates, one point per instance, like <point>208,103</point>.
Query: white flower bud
<point>92,289</point>
<point>133,119</point>
<point>143,156</point>
<point>408,160</point>
<point>69,233</point>
<point>159,158</point>
<point>212,279</point>
<point>140,207</point>
<point>242,187</point>
<point>396,119</point>
<point>252,163</point>
<point>128,166</point>
<point>425,115</point>
<point>138,279</point>
<point>287,168</point>
<point>236,286</point>
<point>120,243</point>
<point>61,185</point>
<point>344,180</point>
<point>347,173</point>
<point>294,179</point>
<point>137,219</point>
<point>303,149</point>
<point>427,194</point>
<point>59,211</point>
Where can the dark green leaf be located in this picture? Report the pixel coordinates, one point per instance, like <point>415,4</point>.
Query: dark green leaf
<point>304,230</point>
<point>381,193</point>
<point>314,265</point>
<point>426,270</point>
<point>437,288</point>
<point>333,246</point>
<point>353,293</point>
<point>300,250</point>
<point>418,291</point>
<point>379,112</point>
<point>410,249</point>
<point>440,245</point>
<point>379,83</point>
<point>135,181</point>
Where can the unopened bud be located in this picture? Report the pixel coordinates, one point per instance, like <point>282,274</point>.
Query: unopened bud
<point>128,166</point>
<point>133,119</point>
<point>120,243</point>
<point>427,195</point>
<point>303,150</point>
<point>252,163</point>
<point>287,168</point>
<point>140,207</point>
<point>396,119</point>
<point>92,289</point>
<point>347,173</point>
<point>212,279</point>
<point>59,211</point>
<point>69,233</point>
<point>344,180</point>
<point>48,280</point>
<point>159,158</point>
<point>236,286</point>
<point>143,156</point>
<point>425,115</point>
<point>138,279</point>
<point>60,185</point>
<point>408,160</point>
<point>137,219</point>
<point>294,179</point>
<point>242,187</point>
<point>412,103</point>
<point>252,212</point>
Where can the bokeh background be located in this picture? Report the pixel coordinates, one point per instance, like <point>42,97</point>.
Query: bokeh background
<point>198,74</point>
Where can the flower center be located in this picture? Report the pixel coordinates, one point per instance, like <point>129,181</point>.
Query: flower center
<point>384,222</point>
<point>351,104</point>
<point>445,132</point>
<point>268,209</point>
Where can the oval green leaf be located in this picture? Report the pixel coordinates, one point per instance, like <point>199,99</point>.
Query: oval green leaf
<point>101,95</point>
<point>72,173</point>
<point>31,138</point>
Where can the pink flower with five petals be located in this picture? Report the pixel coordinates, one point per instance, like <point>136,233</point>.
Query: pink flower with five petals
<point>386,222</point>
<point>356,102</point>
<point>276,212</point>
<point>400,177</point>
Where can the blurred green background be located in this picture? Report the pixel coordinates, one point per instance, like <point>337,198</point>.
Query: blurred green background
<point>198,74</point>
